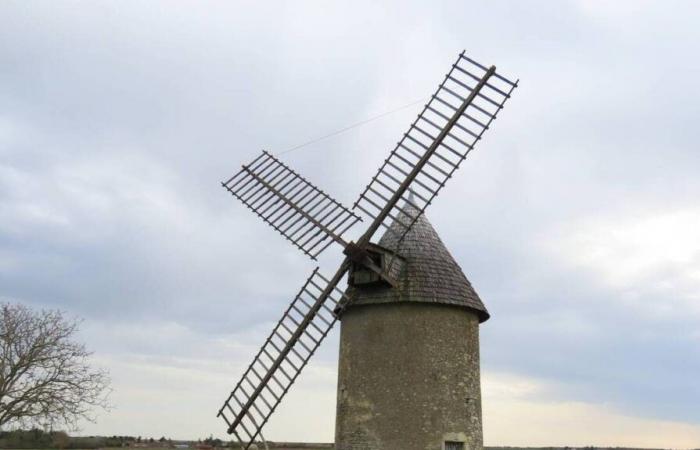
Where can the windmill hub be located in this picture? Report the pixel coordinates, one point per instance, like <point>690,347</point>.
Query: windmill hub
<point>409,354</point>
<point>356,253</point>
<point>369,266</point>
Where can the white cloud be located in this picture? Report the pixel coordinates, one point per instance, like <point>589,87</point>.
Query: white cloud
<point>530,423</point>
<point>516,414</point>
<point>117,121</point>
<point>639,254</point>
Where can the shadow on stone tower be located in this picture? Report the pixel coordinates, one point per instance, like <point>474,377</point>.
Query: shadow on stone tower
<point>408,376</point>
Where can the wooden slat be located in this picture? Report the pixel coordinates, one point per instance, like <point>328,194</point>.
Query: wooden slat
<point>278,195</point>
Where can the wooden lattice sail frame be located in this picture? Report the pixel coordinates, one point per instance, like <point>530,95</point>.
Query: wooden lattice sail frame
<point>452,122</point>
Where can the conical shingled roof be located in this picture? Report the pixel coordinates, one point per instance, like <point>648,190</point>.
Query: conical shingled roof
<point>430,274</point>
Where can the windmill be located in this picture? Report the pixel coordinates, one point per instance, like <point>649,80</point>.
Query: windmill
<point>447,129</point>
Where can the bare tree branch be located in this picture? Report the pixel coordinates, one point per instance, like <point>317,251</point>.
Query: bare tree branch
<point>45,376</point>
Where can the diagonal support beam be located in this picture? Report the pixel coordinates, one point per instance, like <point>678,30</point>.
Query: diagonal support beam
<point>365,260</point>
<point>305,215</point>
<point>296,208</point>
<point>367,236</point>
<point>293,339</point>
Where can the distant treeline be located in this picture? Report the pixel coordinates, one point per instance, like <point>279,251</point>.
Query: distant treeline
<point>38,439</point>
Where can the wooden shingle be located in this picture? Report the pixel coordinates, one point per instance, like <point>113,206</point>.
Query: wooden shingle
<point>429,274</point>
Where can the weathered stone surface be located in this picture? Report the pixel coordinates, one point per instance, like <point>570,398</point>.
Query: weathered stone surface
<point>408,377</point>
<point>429,272</point>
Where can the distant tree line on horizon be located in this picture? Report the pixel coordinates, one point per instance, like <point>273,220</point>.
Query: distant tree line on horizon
<point>39,439</point>
<point>36,438</point>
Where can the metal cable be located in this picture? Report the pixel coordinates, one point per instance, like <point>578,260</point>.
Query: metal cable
<point>354,125</point>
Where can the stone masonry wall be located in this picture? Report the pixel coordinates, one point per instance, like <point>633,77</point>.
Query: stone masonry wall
<point>408,378</point>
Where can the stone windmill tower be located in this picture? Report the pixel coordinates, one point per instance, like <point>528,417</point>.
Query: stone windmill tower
<point>409,358</point>
<point>408,375</point>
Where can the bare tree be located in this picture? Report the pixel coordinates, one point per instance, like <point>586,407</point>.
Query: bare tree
<point>45,376</point>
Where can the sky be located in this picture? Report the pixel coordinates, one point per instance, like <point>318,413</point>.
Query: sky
<point>575,219</point>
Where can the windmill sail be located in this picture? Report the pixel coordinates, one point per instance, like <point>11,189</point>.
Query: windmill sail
<point>298,210</point>
<point>453,121</point>
<point>448,128</point>
<point>293,341</point>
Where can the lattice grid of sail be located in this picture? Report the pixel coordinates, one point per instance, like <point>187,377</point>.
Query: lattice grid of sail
<point>451,123</point>
<point>298,210</point>
<point>293,341</point>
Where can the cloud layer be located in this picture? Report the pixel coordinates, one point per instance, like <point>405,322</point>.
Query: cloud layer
<point>576,219</point>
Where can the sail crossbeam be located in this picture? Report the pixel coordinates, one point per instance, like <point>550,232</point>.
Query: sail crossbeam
<point>286,351</point>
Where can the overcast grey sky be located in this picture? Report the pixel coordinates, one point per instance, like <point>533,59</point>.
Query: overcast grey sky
<point>576,219</point>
